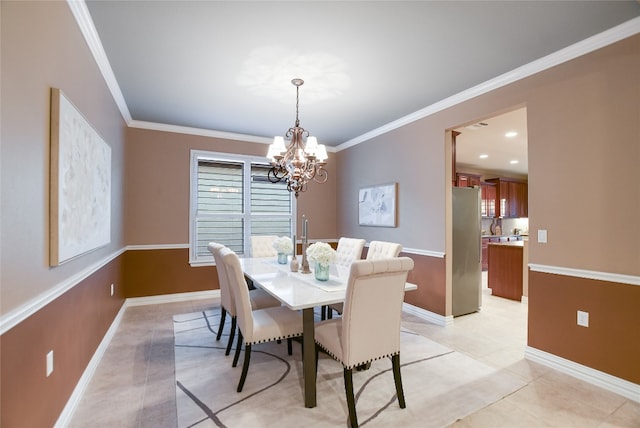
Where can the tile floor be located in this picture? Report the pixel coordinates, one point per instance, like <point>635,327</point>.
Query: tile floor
<point>134,384</point>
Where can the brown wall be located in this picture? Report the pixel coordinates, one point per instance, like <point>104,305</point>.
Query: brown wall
<point>72,326</point>
<point>429,274</point>
<point>42,48</point>
<point>157,193</point>
<point>32,63</point>
<point>166,271</point>
<point>610,343</point>
<point>584,126</point>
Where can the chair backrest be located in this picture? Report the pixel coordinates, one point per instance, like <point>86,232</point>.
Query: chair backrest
<point>348,251</point>
<point>240,292</point>
<point>262,246</point>
<point>226,298</point>
<point>373,309</point>
<point>383,250</point>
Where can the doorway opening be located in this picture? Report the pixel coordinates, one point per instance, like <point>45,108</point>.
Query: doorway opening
<point>491,154</point>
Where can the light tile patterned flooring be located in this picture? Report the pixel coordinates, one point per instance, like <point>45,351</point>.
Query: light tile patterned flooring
<point>134,384</point>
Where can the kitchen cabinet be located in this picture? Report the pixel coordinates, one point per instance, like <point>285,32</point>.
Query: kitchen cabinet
<point>511,198</point>
<point>467,180</point>
<point>488,202</point>
<point>485,246</point>
<point>506,269</point>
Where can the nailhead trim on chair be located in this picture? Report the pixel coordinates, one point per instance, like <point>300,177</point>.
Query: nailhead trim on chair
<point>273,339</point>
<point>357,364</point>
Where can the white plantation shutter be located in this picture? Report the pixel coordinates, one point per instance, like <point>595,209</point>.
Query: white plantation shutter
<point>270,205</point>
<point>232,199</point>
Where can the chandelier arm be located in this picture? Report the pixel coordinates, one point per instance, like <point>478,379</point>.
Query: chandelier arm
<point>321,175</point>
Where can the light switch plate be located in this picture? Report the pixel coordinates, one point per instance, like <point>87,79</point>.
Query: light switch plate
<point>583,318</point>
<point>542,236</point>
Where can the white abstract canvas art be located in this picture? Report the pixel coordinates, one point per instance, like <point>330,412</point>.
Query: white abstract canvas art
<point>80,211</point>
<point>377,206</point>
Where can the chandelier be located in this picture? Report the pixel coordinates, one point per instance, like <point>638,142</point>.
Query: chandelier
<point>300,161</point>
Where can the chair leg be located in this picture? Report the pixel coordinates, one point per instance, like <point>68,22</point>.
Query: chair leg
<point>290,346</point>
<point>245,366</point>
<point>395,361</point>
<point>351,404</point>
<point>329,313</point>
<point>223,317</point>
<point>238,346</point>
<point>231,335</point>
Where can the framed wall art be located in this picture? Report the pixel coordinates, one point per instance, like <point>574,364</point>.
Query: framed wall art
<point>377,205</point>
<point>80,184</point>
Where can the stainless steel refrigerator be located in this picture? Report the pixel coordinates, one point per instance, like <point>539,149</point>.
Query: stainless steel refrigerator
<point>467,251</point>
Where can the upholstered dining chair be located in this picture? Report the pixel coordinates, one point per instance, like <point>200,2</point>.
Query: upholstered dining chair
<point>259,298</point>
<point>369,328</point>
<point>383,250</point>
<point>348,250</point>
<point>377,250</point>
<point>256,326</point>
<point>262,246</point>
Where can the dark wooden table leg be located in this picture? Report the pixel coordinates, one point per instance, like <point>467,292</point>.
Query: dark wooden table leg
<point>309,360</point>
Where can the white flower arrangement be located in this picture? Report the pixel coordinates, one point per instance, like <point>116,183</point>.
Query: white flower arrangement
<point>321,252</point>
<point>283,244</point>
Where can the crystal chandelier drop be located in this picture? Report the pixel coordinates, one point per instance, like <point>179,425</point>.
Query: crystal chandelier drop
<point>301,160</point>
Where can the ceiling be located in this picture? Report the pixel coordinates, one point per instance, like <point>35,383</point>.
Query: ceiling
<point>227,65</point>
<point>501,154</point>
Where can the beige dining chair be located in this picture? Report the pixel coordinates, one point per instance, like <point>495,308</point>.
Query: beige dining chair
<point>262,246</point>
<point>256,326</point>
<point>347,251</point>
<point>383,250</point>
<point>369,328</point>
<point>259,298</point>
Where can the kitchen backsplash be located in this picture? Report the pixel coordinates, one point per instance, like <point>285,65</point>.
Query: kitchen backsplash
<point>507,225</point>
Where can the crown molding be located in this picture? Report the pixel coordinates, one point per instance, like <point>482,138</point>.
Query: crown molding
<point>615,34</point>
<point>83,18</point>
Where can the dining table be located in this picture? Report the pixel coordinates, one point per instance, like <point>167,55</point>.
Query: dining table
<point>301,292</point>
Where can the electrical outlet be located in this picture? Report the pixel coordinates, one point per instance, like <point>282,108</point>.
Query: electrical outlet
<point>112,289</point>
<point>542,236</point>
<point>49,363</point>
<point>583,318</point>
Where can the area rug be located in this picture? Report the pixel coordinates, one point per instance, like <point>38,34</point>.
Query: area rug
<point>440,385</point>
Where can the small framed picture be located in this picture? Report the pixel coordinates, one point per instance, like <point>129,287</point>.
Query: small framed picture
<point>377,205</point>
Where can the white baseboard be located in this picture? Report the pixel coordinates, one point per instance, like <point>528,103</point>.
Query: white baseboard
<point>170,298</point>
<point>428,315</point>
<point>85,379</point>
<point>81,386</point>
<point>603,380</point>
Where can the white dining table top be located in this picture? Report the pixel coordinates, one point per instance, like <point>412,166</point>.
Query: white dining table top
<point>297,290</point>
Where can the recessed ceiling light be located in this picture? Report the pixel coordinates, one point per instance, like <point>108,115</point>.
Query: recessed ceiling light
<point>484,156</point>
<point>511,134</point>
<point>513,162</point>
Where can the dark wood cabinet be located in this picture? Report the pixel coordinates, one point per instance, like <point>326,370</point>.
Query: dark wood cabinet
<point>505,276</point>
<point>488,203</point>
<point>511,198</point>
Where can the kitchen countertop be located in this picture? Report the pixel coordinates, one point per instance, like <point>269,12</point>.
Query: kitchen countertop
<point>509,243</point>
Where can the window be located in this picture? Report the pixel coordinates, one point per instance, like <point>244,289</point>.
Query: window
<point>232,199</point>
